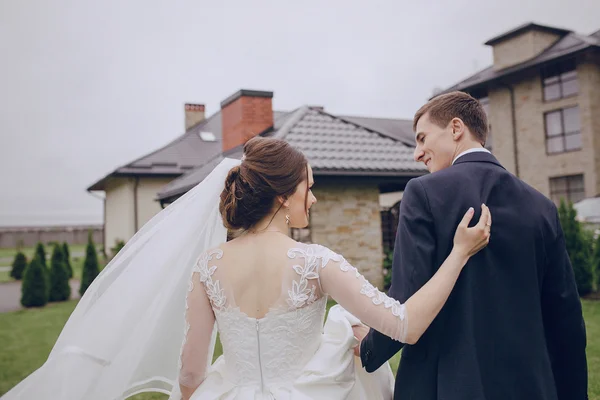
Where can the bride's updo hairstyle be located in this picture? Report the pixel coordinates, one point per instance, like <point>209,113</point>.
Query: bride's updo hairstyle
<point>270,168</point>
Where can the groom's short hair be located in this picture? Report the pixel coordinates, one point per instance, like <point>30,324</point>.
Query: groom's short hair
<point>443,108</point>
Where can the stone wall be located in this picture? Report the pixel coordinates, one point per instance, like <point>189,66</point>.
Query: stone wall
<point>347,219</point>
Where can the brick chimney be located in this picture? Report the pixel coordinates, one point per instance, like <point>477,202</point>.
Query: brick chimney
<point>244,115</point>
<point>194,113</point>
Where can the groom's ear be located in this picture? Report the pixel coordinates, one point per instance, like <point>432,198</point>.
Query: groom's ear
<point>458,128</point>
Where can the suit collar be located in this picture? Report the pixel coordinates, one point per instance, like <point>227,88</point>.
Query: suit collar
<point>478,157</point>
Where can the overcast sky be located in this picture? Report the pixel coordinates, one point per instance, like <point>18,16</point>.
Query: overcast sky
<point>88,86</point>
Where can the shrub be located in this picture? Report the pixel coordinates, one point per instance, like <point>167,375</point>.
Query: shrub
<point>40,253</point>
<point>119,244</point>
<point>387,270</point>
<point>90,266</point>
<point>59,277</point>
<point>596,260</point>
<point>67,259</point>
<point>34,291</point>
<point>578,247</point>
<point>18,266</point>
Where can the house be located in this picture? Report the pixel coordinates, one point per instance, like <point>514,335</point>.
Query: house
<point>354,160</point>
<point>542,97</point>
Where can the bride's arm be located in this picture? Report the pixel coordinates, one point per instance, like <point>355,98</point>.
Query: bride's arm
<point>200,320</point>
<point>405,322</point>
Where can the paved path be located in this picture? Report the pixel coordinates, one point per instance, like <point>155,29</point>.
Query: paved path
<point>10,295</point>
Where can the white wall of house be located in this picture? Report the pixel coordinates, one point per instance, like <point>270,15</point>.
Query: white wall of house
<point>148,207</point>
<point>120,219</point>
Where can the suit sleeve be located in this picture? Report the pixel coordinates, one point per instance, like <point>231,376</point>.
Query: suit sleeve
<point>413,266</point>
<point>563,322</point>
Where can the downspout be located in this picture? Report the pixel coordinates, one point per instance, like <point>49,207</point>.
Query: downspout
<point>136,184</point>
<point>514,126</point>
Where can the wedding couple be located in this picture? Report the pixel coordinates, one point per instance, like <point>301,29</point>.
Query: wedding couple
<point>477,321</point>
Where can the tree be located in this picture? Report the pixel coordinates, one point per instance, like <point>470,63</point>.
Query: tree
<point>59,276</point>
<point>40,253</point>
<point>577,247</point>
<point>67,257</point>
<point>18,266</point>
<point>90,266</point>
<point>34,291</point>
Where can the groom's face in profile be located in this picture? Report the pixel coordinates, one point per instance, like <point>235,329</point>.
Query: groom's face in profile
<point>435,144</point>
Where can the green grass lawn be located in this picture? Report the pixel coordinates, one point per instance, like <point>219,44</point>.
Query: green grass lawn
<point>27,336</point>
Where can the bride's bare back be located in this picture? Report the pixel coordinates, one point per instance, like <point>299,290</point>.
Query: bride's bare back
<point>256,272</point>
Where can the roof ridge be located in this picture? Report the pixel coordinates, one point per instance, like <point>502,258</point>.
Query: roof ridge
<point>291,121</point>
<point>380,118</point>
<point>382,134</point>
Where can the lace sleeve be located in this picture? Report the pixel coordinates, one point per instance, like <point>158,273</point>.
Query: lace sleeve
<point>199,322</point>
<point>352,291</point>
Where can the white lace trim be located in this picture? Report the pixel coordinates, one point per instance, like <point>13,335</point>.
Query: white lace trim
<point>300,294</point>
<point>215,294</point>
<point>377,297</point>
<point>201,267</point>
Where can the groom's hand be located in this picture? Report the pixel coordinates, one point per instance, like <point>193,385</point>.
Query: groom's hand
<point>360,331</point>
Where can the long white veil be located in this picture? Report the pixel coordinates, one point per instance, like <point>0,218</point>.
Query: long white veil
<point>125,335</point>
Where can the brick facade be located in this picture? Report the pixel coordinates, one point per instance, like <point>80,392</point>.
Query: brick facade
<point>536,167</point>
<point>522,48</point>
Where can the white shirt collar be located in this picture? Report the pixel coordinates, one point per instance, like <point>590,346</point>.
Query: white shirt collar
<point>473,150</point>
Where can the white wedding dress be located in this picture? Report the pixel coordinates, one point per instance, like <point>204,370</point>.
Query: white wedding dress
<point>125,335</point>
<point>288,353</point>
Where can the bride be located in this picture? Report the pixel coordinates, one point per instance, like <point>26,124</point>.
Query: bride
<point>149,320</point>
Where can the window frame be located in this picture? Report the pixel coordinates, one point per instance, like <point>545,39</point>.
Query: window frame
<point>557,71</point>
<point>568,193</point>
<point>563,133</point>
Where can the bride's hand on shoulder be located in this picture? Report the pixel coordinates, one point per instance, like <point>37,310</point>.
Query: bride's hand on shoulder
<point>468,241</point>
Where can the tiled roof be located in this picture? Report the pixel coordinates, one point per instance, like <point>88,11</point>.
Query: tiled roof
<point>569,45</point>
<point>333,146</point>
<point>527,27</point>
<point>183,154</point>
<point>400,129</point>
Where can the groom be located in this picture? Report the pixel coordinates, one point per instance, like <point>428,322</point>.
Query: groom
<point>512,327</point>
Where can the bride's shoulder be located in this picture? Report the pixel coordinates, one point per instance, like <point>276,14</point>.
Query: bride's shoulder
<point>317,251</point>
<point>210,255</point>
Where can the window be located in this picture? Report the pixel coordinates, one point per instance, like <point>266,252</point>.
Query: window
<point>560,80</point>
<point>570,188</point>
<point>563,130</point>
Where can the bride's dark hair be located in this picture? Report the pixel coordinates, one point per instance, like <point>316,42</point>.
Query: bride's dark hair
<point>271,168</point>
